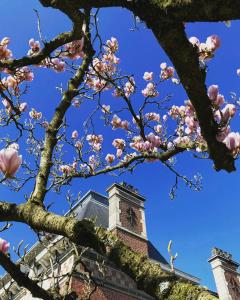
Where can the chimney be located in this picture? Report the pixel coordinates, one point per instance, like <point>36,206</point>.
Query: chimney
<point>225,275</point>
<point>127,216</point>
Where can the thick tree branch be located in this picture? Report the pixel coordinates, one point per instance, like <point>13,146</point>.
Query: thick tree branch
<point>23,280</point>
<point>148,275</point>
<point>174,10</point>
<point>48,48</point>
<point>53,128</point>
<point>173,39</point>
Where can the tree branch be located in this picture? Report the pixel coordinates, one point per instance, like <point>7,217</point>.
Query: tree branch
<point>173,10</point>
<point>192,77</point>
<point>147,274</point>
<point>53,128</point>
<point>23,280</point>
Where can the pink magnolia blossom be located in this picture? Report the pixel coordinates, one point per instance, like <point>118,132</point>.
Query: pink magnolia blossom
<point>23,106</point>
<point>74,166</point>
<point>4,246</point>
<point>110,158</point>
<point>95,141</point>
<point>232,141</point>
<point>93,162</point>
<point>7,105</point>
<point>129,87</point>
<point>213,42</point>
<point>148,76</point>
<point>158,128</point>
<point>66,169</point>
<point>150,91</point>
<point>119,144</point>
<point>119,153</point>
<point>194,41</point>
<point>213,92</point>
<point>58,65</point>
<point>10,161</point>
<point>166,72</point>
<point>34,45</point>
<point>5,53</point>
<point>118,123</point>
<point>78,145</point>
<point>228,111</point>
<point>74,49</point>
<point>74,134</point>
<point>165,117</point>
<point>76,103</point>
<point>112,45</point>
<point>35,115</point>
<point>152,116</point>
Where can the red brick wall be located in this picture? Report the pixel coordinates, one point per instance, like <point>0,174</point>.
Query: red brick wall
<point>136,243</point>
<point>124,206</point>
<point>101,293</point>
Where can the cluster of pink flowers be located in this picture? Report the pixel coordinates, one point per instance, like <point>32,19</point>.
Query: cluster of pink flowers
<point>93,162</point>
<point>152,116</point>
<point>68,169</point>
<point>103,67</point>
<point>152,143</point>
<point>166,72</point>
<point>35,115</point>
<point>129,88</point>
<point>118,123</point>
<point>10,161</point>
<point>150,90</point>
<point>14,80</point>
<point>188,131</point>
<point>56,64</point>
<point>232,141</point>
<point>74,50</point>
<point>4,246</point>
<point>53,63</point>
<point>206,50</point>
<point>185,142</point>
<point>95,141</point>
<point>119,144</point>
<point>5,53</point>
<point>112,45</point>
<point>34,47</point>
<point>158,128</point>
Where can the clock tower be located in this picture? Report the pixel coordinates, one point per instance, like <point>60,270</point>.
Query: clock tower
<point>127,216</point>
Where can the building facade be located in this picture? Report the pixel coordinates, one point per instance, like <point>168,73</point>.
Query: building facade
<point>121,212</point>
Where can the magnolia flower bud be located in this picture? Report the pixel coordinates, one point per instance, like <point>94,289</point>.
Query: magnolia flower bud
<point>213,92</point>
<point>4,246</point>
<point>10,162</point>
<point>74,134</point>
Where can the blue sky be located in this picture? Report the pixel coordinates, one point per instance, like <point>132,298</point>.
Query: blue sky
<point>195,221</point>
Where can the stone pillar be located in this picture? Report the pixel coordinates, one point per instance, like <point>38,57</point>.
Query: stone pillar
<point>127,216</point>
<point>225,273</point>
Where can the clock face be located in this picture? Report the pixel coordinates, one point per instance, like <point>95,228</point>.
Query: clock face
<point>131,216</point>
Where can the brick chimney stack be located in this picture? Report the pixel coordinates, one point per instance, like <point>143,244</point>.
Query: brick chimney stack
<point>225,273</point>
<point>127,216</point>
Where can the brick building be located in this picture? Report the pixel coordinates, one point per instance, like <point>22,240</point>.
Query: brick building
<point>122,212</point>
